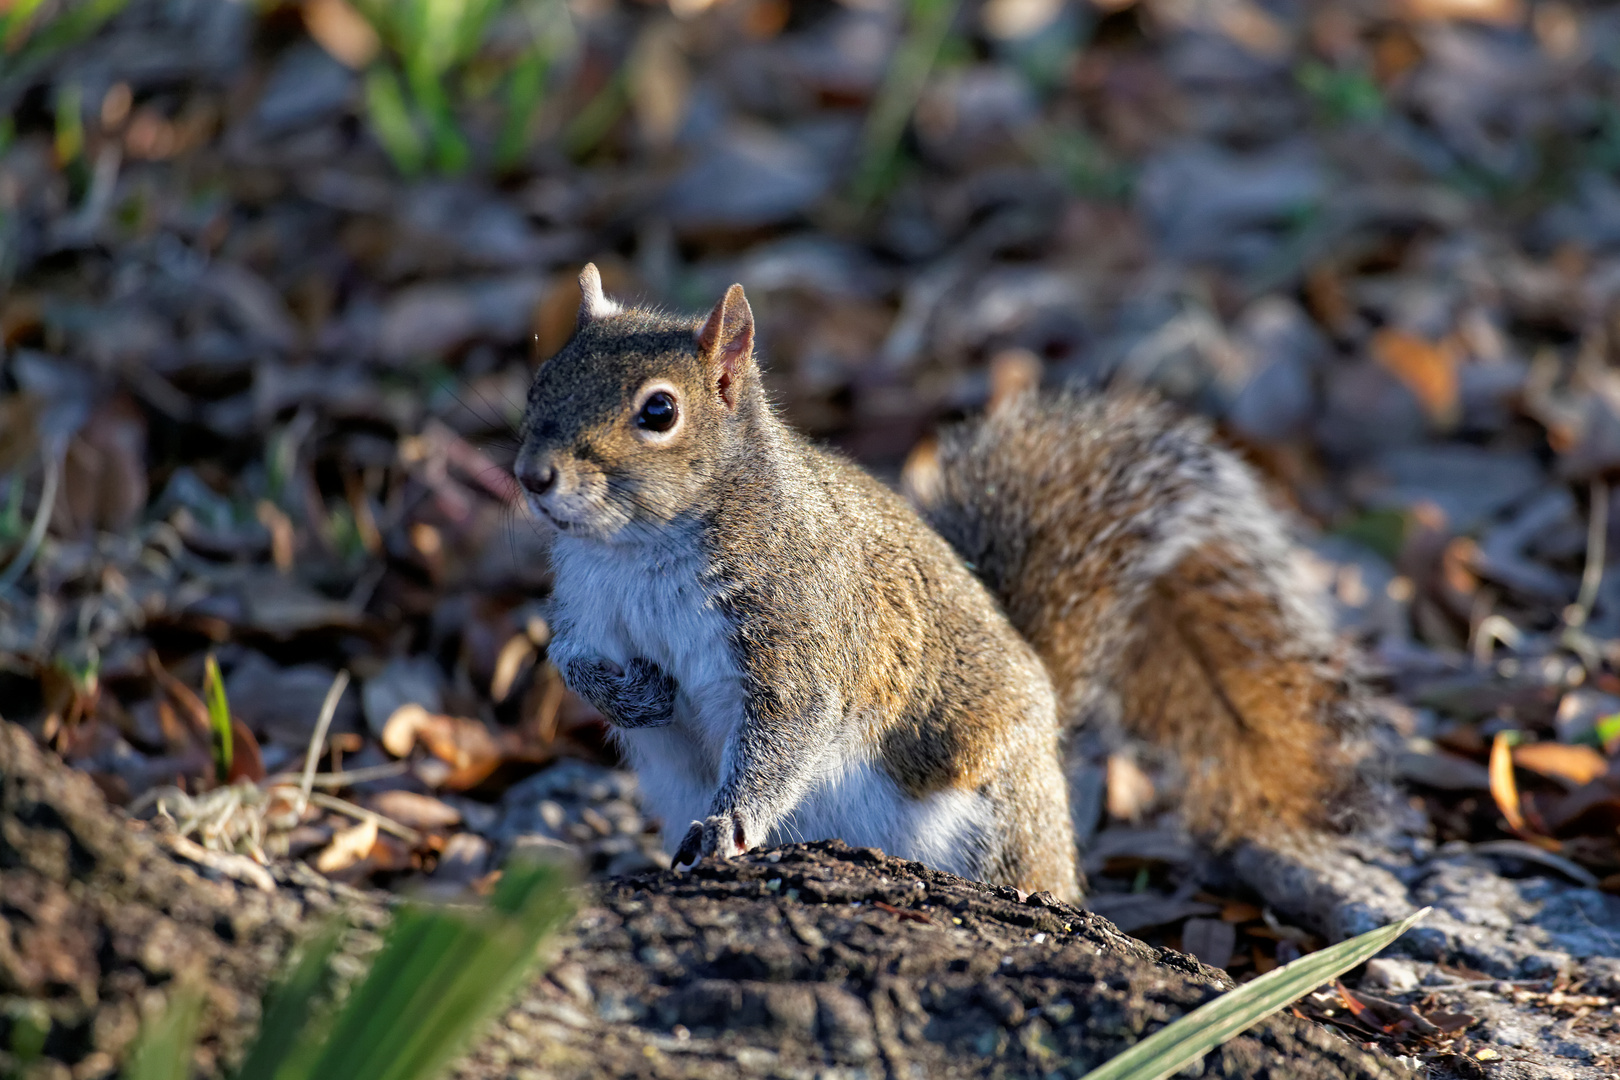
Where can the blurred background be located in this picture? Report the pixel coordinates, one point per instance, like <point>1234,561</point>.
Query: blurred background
<point>274,277</point>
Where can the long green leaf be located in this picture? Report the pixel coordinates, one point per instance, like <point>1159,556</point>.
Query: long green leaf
<point>1173,1048</point>
<point>440,974</point>
<point>219,718</point>
<point>164,1047</point>
<point>391,120</point>
<point>928,23</point>
<point>286,1037</point>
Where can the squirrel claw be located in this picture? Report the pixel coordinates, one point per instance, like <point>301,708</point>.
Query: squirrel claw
<point>720,835</point>
<point>690,852</point>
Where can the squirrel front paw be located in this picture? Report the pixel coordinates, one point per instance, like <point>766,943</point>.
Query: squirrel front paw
<point>640,694</point>
<point>719,834</point>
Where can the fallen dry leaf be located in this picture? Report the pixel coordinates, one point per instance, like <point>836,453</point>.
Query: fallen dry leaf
<point>509,664</point>
<point>1573,765</point>
<point>1496,12</point>
<point>342,31</point>
<point>1503,787</point>
<point>1130,790</point>
<point>1505,790</point>
<point>466,745</point>
<point>422,812</point>
<point>347,847</point>
<point>1427,369</point>
<point>1211,940</point>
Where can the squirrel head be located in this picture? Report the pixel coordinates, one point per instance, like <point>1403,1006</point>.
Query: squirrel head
<point>626,426</point>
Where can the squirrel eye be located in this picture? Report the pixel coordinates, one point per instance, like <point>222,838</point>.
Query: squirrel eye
<point>657,412</point>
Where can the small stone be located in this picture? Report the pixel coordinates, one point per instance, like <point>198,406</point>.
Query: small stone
<point>1396,976</point>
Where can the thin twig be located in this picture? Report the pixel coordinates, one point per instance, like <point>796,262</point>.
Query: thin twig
<point>1492,631</point>
<point>345,778</point>
<point>1597,532</point>
<point>318,738</point>
<point>360,813</point>
<point>36,531</point>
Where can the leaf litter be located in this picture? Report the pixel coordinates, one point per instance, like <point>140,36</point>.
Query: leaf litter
<point>266,345</point>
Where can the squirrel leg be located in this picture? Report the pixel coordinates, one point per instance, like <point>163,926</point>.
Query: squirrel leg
<point>768,766</point>
<point>640,695</point>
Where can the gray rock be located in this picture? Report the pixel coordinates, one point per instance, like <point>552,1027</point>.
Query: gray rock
<point>306,87</point>
<point>749,176</point>
<point>1204,203</point>
<point>1276,400</point>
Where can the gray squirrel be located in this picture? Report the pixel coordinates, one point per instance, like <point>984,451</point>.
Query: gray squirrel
<point>788,650</point>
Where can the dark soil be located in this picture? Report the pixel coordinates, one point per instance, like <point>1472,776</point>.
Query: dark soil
<point>786,963</point>
<point>819,956</point>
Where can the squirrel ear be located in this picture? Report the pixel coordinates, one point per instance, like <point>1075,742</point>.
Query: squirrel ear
<point>592,303</point>
<point>726,342</point>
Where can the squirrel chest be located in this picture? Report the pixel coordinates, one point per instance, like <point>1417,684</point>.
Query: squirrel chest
<point>620,602</point>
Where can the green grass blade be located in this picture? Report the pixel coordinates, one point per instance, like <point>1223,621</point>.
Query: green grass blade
<point>525,87</point>
<point>392,122</point>
<point>219,718</point>
<point>285,1036</point>
<point>927,25</point>
<point>440,974</point>
<point>1178,1045</point>
<point>164,1047</point>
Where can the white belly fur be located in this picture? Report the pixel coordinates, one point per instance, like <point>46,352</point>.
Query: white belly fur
<point>623,602</point>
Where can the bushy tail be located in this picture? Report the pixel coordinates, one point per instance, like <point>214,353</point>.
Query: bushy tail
<point>1145,565</point>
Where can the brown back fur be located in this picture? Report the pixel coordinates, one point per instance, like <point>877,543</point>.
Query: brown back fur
<point>1156,583</point>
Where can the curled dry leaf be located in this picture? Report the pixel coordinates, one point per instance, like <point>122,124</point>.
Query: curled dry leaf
<point>467,745</point>
<point>1130,790</point>
<point>517,653</point>
<point>1496,12</point>
<point>1427,369</point>
<point>1570,765</point>
<point>1505,790</point>
<point>347,847</point>
<point>422,812</point>
<point>341,31</point>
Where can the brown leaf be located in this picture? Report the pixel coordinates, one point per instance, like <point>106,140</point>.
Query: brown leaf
<point>1496,12</point>
<point>1505,790</point>
<point>1130,790</point>
<point>466,745</point>
<point>104,473</point>
<point>1427,369</point>
<point>421,812</point>
<point>509,664</point>
<point>183,699</point>
<point>1236,911</point>
<point>246,761</point>
<point>348,847</point>
<point>341,31</point>
<point>1572,765</point>
<point>1450,1021</point>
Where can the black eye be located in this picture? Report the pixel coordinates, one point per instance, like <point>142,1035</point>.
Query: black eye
<point>657,412</point>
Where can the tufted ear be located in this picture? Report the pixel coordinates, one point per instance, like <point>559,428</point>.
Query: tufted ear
<point>592,303</point>
<point>726,343</point>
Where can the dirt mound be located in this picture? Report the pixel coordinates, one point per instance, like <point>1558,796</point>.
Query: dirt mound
<point>788,962</point>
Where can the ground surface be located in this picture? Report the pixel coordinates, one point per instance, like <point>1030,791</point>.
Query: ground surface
<point>786,963</point>
<point>259,377</point>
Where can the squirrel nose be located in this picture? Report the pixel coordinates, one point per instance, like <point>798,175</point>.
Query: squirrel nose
<point>537,477</point>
